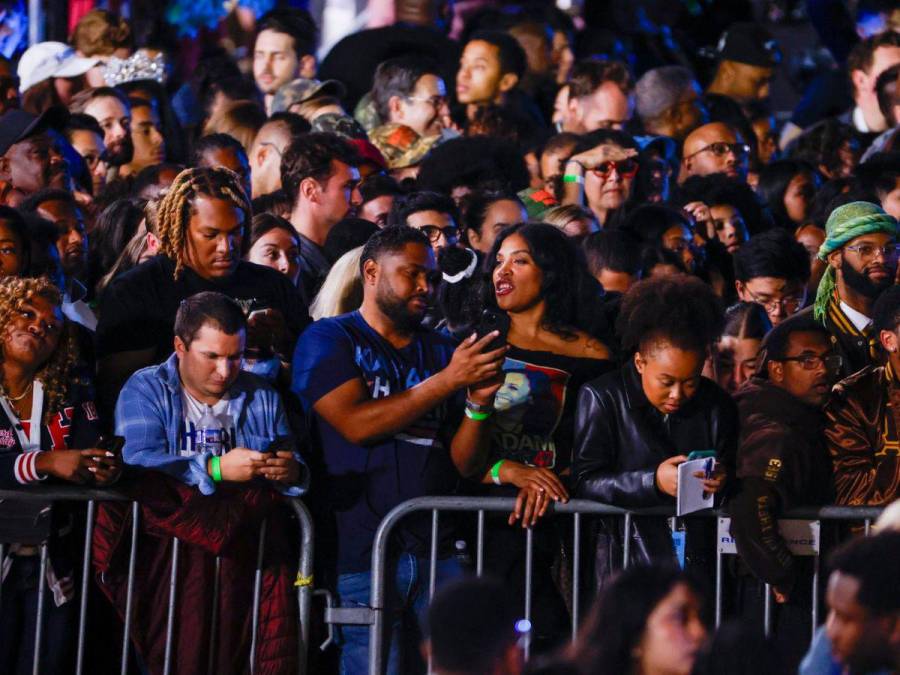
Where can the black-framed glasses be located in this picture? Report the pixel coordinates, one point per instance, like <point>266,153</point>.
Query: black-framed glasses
<point>721,149</point>
<point>869,251</point>
<point>832,362</point>
<point>791,304</point>
<point>434,232</point>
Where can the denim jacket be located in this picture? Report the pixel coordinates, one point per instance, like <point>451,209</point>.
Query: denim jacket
<point>149,416</point>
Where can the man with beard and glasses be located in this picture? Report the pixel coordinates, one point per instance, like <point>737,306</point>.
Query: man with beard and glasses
<point>112,111</point>
<point>862,428</point>
<point>782,463</point>
<point>861,251</point>
<point>26,153</point>
<point>384,398</point>
<point>60,208</point>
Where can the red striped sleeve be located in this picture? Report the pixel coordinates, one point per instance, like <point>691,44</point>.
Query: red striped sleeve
<point>25,468</point>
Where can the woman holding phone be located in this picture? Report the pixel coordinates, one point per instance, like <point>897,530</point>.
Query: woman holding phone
<point>533,283</point>
<point>633,427</point>
<point>47,414</point>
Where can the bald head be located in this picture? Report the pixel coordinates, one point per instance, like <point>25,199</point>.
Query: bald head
<point>713,148</point>
<point>265,157</point>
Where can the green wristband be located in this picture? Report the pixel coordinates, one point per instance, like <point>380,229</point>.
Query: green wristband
<point>495,472</point>
<point>572,178</point>
<point>215,469</point>
<point>477,416</point>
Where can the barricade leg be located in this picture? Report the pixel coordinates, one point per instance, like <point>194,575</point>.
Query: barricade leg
<point>85,573</point>
<point>129,593</point>
<point>576,572</point>
<point>718,586</point>
<point>2,562</point>
<point>257,590</point>
<point>815,596</point>
<point>39,622</point>
<point>304,581</point>
<point>626,555</point>
<point>173,596</point>
<point>479,547</point>
<point>214,621</point>
<point>529,564</point>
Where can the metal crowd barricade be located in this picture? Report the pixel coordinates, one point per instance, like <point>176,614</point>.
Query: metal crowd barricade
<point>374,615</point>
<point>91,496</point>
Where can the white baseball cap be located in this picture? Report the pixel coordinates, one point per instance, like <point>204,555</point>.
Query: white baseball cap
<point>51,59</point>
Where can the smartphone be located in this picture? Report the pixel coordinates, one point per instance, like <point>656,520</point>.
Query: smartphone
<point>113,444</point>
<point>701,454</point>
<point>280,444</point>
<point>493,320</point>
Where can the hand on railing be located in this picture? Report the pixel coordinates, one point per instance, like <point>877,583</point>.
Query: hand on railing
<point>538,488</point>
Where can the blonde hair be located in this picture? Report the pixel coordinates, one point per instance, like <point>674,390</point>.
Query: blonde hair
<point>342,291</point>
<point>58,373</point>
<point>174,213</point>
<point>101,33</point>
<point>560,216</point>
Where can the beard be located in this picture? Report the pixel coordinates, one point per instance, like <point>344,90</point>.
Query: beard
<point>120,153</point>
<point>862,284</point>
<point>396,308</point>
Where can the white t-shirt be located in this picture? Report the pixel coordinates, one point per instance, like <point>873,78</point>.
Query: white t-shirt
<point>193,411</point>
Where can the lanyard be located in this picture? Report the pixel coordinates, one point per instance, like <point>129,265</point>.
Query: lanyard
<point>32,441</point>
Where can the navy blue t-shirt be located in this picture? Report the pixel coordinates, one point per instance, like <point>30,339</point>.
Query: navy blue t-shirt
<point>359,484</point>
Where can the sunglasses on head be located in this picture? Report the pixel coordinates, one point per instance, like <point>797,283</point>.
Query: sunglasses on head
<point>627,168</point>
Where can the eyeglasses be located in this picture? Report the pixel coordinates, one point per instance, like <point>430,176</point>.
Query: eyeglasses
<point>626,168</point>
<point>791,303</point>
<point>434,232</point>
<point>434,101</point>
<point>832,362</point>
<point>869,251</point>
<point>721,149</point>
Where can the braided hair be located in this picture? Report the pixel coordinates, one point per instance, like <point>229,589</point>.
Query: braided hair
<point>58,373</point>
<point>176,207</point>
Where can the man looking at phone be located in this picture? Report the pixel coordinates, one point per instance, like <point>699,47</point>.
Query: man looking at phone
<point>384,399</point>
<point>783,463</point>
<point>163,411</point>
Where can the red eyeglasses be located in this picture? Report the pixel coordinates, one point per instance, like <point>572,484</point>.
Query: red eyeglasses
<point>626,168</point>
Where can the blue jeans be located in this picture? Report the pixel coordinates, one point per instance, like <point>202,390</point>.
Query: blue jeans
<point>405,599</point>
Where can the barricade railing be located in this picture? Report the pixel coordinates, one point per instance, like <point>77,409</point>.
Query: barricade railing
<point>303,583</point>
<point>374,615</point>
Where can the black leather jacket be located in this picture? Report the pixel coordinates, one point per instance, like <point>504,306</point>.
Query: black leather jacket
<point>620,440</point>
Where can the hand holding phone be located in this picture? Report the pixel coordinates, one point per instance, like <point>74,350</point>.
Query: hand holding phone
<point>493,320</point>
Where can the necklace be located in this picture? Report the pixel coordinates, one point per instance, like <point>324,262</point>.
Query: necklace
<point>13,399</point>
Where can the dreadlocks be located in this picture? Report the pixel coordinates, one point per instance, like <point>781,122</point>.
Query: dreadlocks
<point>175,209</point>
<point>58,373</point>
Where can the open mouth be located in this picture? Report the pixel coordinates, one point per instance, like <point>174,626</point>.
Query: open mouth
<point>503,288</point>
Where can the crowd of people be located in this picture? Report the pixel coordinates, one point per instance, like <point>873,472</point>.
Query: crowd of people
<point>508,254</point>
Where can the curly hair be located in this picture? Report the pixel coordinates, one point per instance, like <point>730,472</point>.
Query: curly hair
<point>58,373</point>
<point>556,256</point>
<point>679,310</point>
<point>176,207</point>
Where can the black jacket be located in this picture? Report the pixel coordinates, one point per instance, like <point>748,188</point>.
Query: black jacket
<point>620,440</point>
<point>782,463</point>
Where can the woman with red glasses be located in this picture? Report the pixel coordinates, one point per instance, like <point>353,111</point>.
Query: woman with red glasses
<point>600,173</point>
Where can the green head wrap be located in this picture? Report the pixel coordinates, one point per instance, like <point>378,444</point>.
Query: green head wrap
<point>846,223</point>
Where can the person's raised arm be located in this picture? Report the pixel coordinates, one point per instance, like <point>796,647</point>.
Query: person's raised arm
<point>359,418</point>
